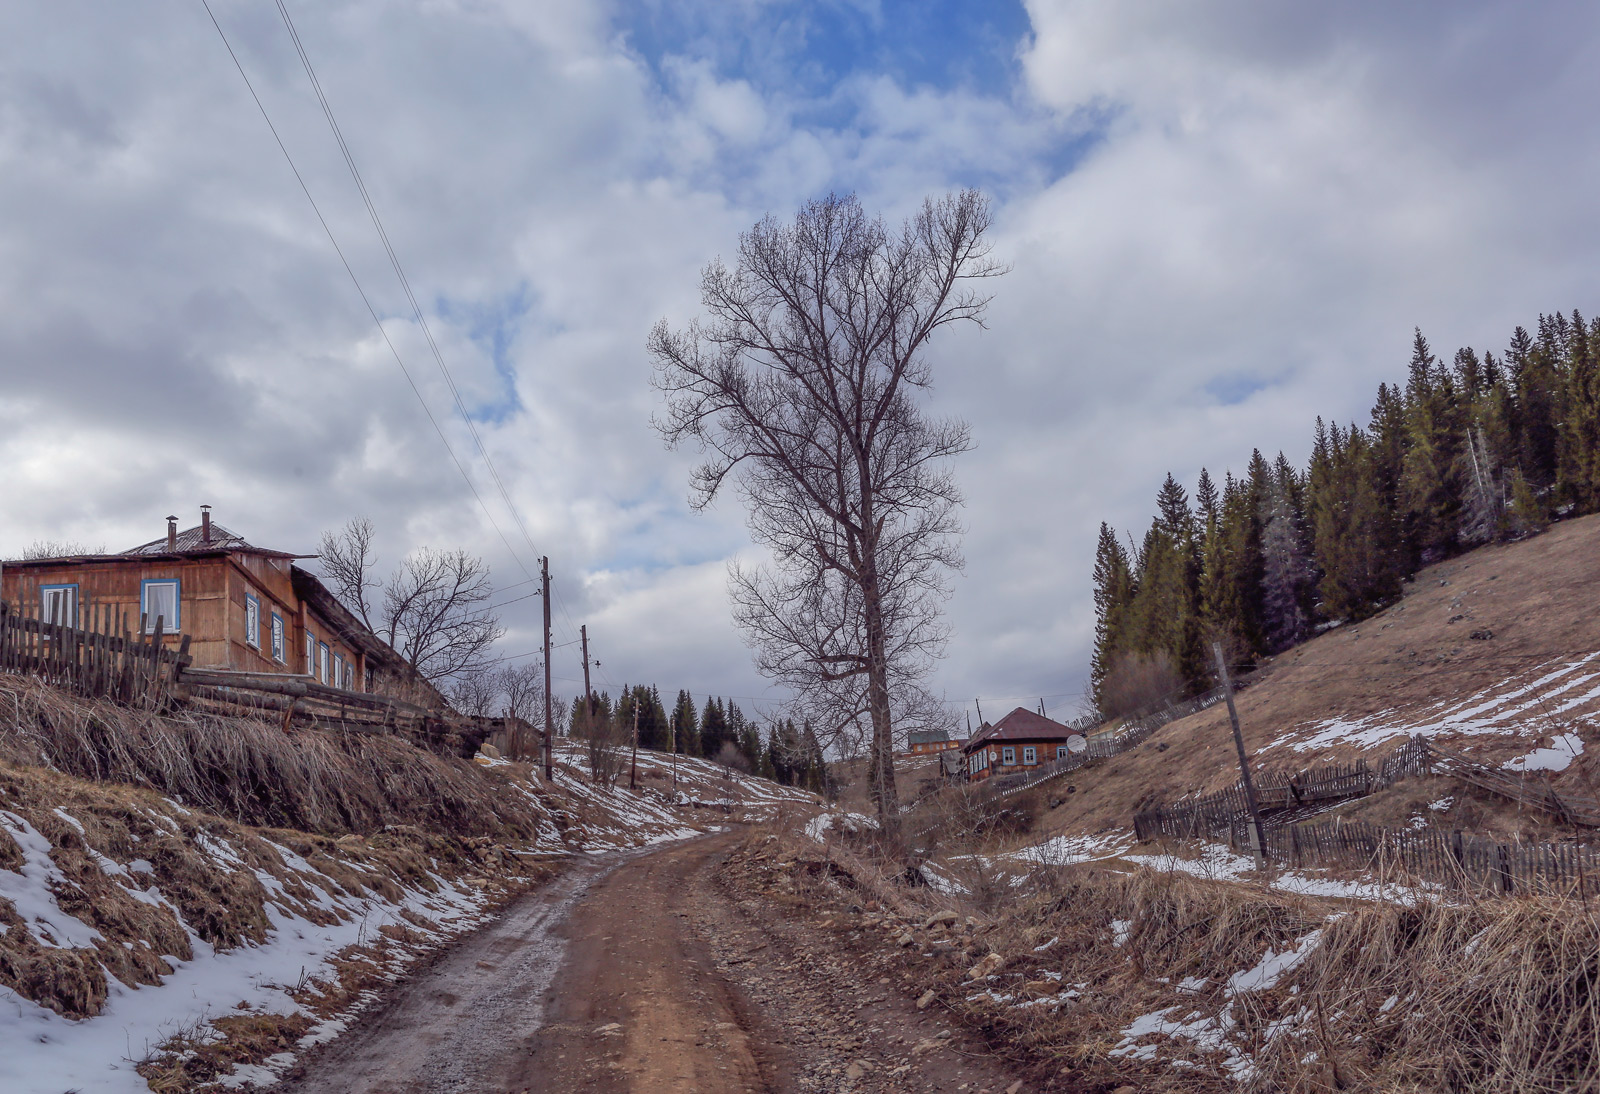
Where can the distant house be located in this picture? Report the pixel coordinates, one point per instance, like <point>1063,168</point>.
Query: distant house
<point>925,742</point>
<point>244,608</point>
<point>1020,741</point>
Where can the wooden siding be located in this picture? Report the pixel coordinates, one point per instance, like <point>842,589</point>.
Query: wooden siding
<point>211,605</point>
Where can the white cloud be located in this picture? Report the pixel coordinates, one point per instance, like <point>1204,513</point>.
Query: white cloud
<point>1223,218</point>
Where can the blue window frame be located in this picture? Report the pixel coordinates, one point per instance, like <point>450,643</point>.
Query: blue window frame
<point>1030,755</point>
<point>252,621</point>
<point>322,661</point>
<point>59,604</point>
<point>160,597</point>
<point>1061,752</point>
<point>277,638</point>
<point>1008,756</point>
<point>311,654</point>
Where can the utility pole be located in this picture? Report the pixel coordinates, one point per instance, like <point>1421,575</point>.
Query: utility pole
<point>588,692</point>
<point>549,725</point>
<point>1244,763</point>
<point>633,766</point>
<point>979,705</point>
<point>673,721</point>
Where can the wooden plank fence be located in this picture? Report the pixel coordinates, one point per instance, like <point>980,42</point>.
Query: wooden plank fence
<point>104,656</point>
<point>1454,858</point>
<point>1281,792</point>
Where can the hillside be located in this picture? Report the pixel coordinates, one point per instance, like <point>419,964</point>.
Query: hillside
<point>228,894</point>
<point>1495,654</point>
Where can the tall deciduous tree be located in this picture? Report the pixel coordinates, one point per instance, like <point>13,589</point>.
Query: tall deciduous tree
<point>804,384</point>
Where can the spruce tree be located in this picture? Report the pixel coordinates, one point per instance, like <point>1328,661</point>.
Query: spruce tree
<point>685,726</point>
<point>1113,599</point>
<point>713,728</point>
<point>1580,432</point>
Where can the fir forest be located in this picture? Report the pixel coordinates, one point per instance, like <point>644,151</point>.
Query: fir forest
<point>1480,449</point>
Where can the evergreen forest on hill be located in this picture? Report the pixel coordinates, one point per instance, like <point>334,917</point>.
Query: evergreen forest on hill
<point>721,732</point>
<point>1479,450</point>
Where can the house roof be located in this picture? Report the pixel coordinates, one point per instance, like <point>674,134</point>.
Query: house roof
<point>1020,725</point>
<point>926,737</point>
<point>190,541</point>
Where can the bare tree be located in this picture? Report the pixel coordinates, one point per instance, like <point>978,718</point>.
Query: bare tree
<point>522,687</point>
<point>475,692</point>
<point>433,608</point>
<point>60,548</point>
<point>804,385</point>
<point>348,562</point>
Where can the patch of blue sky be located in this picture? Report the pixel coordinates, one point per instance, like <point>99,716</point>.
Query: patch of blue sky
<point>492,327</point>
<point>1235,388</point>
<point>803,48</point>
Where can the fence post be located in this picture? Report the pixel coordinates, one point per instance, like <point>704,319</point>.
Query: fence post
<point>1504,856</point>
<point>1294,839</point>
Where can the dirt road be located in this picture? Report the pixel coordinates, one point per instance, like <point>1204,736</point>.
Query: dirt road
<point>641,974</point>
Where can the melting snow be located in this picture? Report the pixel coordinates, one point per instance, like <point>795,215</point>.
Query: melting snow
<point>31,892</point>
<point>1563,750</point>
<point>1498,709</point>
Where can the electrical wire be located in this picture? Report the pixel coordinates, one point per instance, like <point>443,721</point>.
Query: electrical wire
<point>405,283</point>
<point>356,281</point>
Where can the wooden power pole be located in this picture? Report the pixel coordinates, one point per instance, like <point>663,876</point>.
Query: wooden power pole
<point>633,766</point>
<point>1244,763</point>
<point>588,692</point>
<point>549,725</point>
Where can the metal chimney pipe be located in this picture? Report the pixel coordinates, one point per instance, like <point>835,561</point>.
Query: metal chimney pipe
<point>172,533</point>
<point>205,524</point>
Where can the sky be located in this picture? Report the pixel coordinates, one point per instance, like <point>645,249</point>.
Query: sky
<point>1222,218</point>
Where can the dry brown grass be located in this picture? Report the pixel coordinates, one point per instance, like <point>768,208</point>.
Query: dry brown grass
<point>253,772</point>
<point>1473,994</point>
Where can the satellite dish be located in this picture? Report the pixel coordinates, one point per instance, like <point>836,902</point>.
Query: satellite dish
<point>1076,744</point>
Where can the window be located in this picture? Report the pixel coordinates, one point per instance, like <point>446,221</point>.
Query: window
<point>278,651</point>
<point>337,679</point>
<point>322,662</point>
<point>252,621</point>
<point>349,680</point>
<point>311,654</point>
<point>1030,755</point>
<point>1008,756</point>
<point>158,599</point>
<point>1061,752</point>
<point>59,604</point>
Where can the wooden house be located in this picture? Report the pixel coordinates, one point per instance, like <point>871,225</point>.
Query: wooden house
<point>1017,743</point>
<point>928,742</point>
<point>243,608</point>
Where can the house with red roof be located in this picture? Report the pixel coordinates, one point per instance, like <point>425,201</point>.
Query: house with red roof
<point>1018,743</point>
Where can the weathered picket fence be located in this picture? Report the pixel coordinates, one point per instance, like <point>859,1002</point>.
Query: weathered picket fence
<point>107,656</point>
<point>1280,793</point>
<point>1449,857</point>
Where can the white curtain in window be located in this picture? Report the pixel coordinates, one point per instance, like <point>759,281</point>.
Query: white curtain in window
<point>160,600</point>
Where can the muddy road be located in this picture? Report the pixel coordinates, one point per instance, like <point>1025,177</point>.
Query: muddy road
<point>641,973</point>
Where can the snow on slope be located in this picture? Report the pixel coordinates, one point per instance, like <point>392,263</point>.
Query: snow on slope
<point>43,1052</point>
<point>1558,692</point>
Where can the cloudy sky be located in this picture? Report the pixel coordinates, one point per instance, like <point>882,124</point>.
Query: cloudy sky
<point>1223,218</point>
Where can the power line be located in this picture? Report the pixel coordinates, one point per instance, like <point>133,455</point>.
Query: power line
<point>363,293</point>
<point>405,282</point>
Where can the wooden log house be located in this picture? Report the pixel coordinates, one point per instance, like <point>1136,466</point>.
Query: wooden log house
<point>1019,742</point>
<point>243,608</point>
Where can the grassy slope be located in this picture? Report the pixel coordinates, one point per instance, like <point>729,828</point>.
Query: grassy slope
<point>1357,690</point>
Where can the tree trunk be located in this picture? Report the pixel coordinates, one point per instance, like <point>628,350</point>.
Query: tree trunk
<point>881,770</point>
